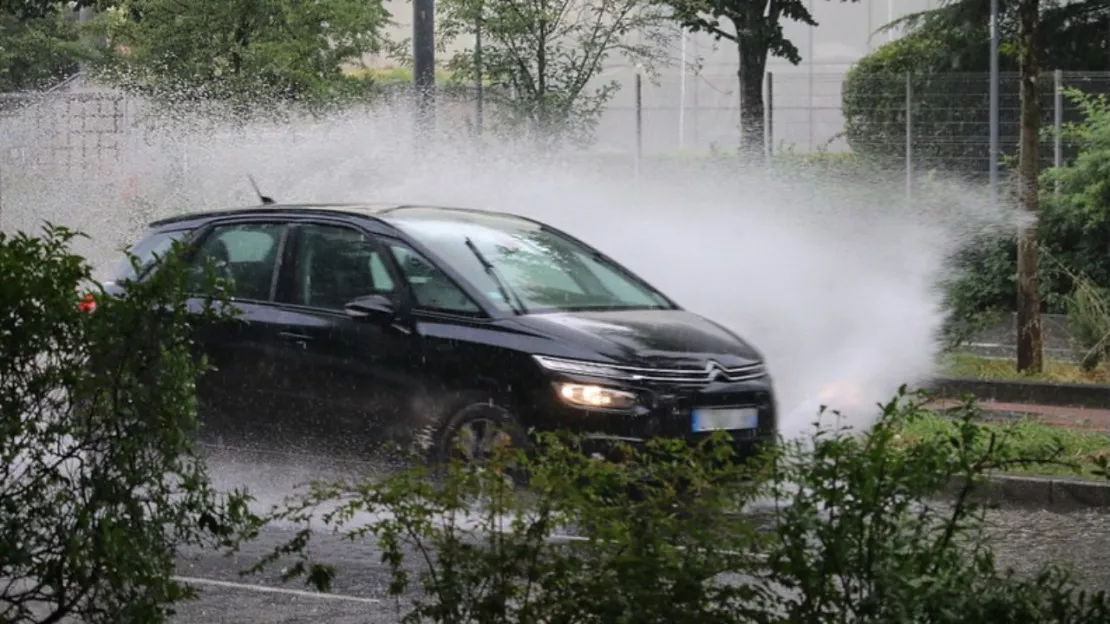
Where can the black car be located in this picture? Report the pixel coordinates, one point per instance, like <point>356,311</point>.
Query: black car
<point>439,328</point>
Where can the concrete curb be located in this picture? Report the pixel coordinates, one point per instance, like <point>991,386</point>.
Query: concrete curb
<point>1092,396</point>
<point>1058,494</point>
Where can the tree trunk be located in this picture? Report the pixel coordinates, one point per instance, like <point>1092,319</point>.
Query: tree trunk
<point>1030,342</point>
<point>753,65</point>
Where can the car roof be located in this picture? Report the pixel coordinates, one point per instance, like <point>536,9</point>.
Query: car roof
<point>378,211</point>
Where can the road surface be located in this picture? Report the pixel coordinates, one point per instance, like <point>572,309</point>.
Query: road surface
<point>1025,540</point>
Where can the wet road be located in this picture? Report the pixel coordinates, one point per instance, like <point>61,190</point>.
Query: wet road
<point>1025,540</point>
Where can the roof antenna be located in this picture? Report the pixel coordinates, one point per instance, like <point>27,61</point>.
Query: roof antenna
<point>265,200</point>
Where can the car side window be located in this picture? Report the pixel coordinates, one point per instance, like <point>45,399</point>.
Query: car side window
<point>245,254</point>
<point>432,288</point>
<point>334,265</point>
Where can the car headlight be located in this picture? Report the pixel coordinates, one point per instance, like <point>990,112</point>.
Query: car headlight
<point>578,367</point>
<point>593,396</point>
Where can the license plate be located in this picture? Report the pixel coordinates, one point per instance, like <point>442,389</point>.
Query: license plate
<point>729,419</point>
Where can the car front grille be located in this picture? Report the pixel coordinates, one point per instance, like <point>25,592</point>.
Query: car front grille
<point>695,377</point>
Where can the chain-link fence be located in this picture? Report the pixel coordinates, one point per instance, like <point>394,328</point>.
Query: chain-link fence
<point>75,133</point>
<point>947,129</point>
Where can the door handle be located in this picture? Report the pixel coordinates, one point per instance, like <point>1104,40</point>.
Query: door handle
<point>299,339</point>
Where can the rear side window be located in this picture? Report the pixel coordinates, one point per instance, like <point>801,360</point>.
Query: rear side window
<point>147,250</point>
<point>244,254</point>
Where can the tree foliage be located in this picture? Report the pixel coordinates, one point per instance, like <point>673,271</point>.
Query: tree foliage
<point>240,50</point>
<point>99,482</point>
<point>541,57</point>
<point>947,53</point>
<point>756,28</point>
<point>40,45</point>
<point>1074,230</point>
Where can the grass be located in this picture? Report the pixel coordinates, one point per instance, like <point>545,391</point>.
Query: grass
<point>1026,439</point>
<point>1058,371</point>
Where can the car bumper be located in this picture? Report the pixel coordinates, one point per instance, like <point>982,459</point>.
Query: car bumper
<point>662,413</point>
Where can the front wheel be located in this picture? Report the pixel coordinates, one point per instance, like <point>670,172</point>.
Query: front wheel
<point>473,433</point>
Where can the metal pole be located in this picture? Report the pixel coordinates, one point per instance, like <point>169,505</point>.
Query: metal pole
<point>870,25</point>
<point>682,98</point>
<point>909,137</point>
<point>697,107</point>
<point>423,64</point>
<point>769,119</point>
<point>889,19</point>
<point>639,121</point>
<point>994,150</point>
<point>478,104</point>
<point>810,53</point>
<point>1058,123</point>
<point>85,15</point>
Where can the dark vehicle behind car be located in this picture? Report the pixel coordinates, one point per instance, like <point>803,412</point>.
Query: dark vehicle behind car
<point>441,328</point>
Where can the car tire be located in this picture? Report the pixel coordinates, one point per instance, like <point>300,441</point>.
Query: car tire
<point>474,427</point>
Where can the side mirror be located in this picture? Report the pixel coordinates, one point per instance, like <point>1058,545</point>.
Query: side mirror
<point>378,307</point>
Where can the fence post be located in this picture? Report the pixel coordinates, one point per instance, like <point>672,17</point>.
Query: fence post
<point>995,150</point>
<point>809,90</point>
<point>479,113</point>
<point>639,122</point>
<point>769,119</point>
<point>909,136</point>
<point>697,87</point>
<point>1057,123</point>
<point>682,97</point>
<point>85,15</point>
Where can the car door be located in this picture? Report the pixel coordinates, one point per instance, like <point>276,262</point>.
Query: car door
<point>240,390</point>
<point>353,378</point>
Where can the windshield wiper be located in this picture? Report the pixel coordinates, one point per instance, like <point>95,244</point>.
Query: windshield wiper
<point>508,294</point>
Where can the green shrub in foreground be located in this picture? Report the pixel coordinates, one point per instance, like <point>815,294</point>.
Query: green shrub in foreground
<point>840,527</point>
<point>99,482</point>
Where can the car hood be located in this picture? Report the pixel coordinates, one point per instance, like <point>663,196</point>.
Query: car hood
<point>653,338</point>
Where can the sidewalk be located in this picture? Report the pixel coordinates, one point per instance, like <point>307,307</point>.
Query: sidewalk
<point>1094,420</point>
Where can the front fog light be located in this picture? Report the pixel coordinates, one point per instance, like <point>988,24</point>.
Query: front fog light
<point>587,395</point>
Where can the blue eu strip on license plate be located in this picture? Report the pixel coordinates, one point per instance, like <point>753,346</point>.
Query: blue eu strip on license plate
<point>727,418</point>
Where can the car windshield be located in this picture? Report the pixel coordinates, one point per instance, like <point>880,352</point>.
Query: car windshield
<point>524,267</point>
<point>147,250</point>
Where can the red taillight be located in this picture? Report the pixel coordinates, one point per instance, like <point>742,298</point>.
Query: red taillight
<point>88,303</point>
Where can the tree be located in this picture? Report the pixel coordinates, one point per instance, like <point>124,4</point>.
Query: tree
<point>100,484</point>
<point>947,53</point>
<point>249,50</point>
<point>755,26</point>
<point>1030,342</point>
<point>39,45</point>
<point>1073,231</point>
<point>540,56</point>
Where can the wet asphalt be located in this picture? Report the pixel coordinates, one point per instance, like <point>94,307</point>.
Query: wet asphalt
<point>1024,539</point>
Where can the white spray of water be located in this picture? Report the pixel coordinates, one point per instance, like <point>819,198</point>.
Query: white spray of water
<point>835,283</point>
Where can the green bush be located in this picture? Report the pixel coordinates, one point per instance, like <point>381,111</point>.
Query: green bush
<point>839,527</point>
<point>1073,229</point>
<point>1089,324</point>
<point>99,481</point>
